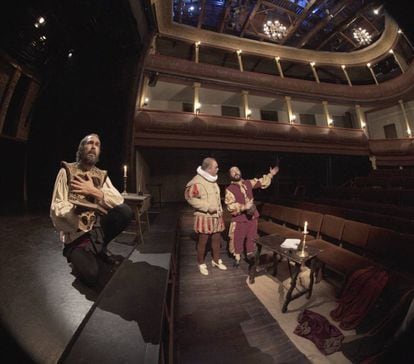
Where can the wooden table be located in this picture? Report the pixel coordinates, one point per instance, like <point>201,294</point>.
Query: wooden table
<point>140,206</point>
<point>273,243</point>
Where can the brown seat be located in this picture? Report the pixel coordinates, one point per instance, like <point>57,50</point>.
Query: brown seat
<point>339,259</point>
<point>332,228</point>
<point>355,236</point>
<point>381,242</point>
<point>402,252</point>
<point>276,213</point>
<point>290,217</point>
<point>266,210</point>
<point>335,257</point>
<point>270,227</point>
<point>314,220</point>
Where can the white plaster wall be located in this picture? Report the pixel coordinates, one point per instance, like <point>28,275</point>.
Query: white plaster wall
<point>165,105</point>
<point>283,116</point>
<point>392,115</point>
<point>320,120</point>
<point>211,109</point>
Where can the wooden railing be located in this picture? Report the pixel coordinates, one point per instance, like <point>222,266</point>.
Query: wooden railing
<point>186,130</point>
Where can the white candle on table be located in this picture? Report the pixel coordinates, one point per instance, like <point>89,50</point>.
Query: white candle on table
<point>305,228</point>
<point>125,170</point>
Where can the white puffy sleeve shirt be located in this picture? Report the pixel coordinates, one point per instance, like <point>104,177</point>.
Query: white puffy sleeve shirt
<point>62,212</point>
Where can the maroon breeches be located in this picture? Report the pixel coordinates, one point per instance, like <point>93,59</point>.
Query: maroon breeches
<point>245,231</point>
<point>215,246</point>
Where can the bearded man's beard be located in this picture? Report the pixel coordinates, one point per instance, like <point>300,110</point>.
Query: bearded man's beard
<point>235,178</point>
<point>90,158</point>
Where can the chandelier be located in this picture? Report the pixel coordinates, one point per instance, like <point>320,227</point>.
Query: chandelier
<point>274,29</point>
<point>362,36</point>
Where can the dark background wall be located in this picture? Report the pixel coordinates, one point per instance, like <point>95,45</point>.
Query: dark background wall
<point>94,90</point>
<point>173,168</point>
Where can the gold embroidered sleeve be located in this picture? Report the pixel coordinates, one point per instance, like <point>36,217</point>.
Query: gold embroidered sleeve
<point>197,197</point>
<point>263,182</point>
<point>233,207</point>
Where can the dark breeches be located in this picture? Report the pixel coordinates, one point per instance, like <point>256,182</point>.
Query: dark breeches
<point>83,251</point>
<point>215,246</point>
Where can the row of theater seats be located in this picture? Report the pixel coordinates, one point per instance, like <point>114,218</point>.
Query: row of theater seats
<point>384,181</point>
<point>378,207</point>
<point>346,245</point>
<point>392,196</point>
<point>406,172</point>
<point>384,215</point>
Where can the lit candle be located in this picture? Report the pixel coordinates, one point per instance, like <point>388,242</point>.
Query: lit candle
<point>305,228</point>
<point>125,170</point>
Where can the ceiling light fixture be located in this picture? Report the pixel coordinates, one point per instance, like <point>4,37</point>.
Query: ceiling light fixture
<point>362,36</point>
<point>274,29</point>
<point>40,22</point>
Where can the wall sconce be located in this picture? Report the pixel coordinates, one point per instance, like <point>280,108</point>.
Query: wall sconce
<point>146,100</point>
<point>197,108</point>
<point>248,113</point>
<point>409,132</point>
<point>293,119</point>
<point>330,122</point>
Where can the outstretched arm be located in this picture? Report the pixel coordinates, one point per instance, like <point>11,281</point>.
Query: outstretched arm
<point>266,180</point>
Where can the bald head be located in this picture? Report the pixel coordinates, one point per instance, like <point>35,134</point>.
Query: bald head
<point>210,166</point>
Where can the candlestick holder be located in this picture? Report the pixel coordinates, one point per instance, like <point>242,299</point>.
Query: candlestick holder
<point>302,252</point>
<point>124,192</point>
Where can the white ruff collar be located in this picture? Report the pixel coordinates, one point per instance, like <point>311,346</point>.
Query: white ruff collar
<point>206,175</point>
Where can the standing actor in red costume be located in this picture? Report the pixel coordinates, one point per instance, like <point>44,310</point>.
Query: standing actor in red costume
<point>239,202</point>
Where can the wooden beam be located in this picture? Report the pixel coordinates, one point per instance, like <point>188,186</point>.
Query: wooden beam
<point>370,23</point>
<point>340,28</point>
<point>284,10</point>
<point>201,15</point>
<point>225,14</point>
<point>180,11</point>
<point>341,5</point>
<point>291,31</point>
<point>250,17</point>
<point>349,40</point>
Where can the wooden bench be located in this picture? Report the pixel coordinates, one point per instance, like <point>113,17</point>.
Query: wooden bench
<point>346,245</point>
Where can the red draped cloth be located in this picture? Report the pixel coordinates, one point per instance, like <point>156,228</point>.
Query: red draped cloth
<point>361,291</point>
<point>326,337</point>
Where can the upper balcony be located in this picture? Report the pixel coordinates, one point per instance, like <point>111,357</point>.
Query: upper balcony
<point>186,130</point>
